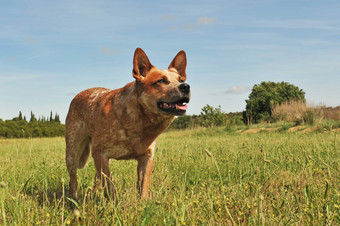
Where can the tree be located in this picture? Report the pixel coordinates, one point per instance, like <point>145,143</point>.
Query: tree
<point>33,118</point>
<point>57,118</point>
<point>266,95</point>
<point>183,122</point>
<point>211,116</point>
<point>20,116</point>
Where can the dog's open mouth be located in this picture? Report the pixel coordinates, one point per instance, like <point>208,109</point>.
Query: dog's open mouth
<point>175,108</point>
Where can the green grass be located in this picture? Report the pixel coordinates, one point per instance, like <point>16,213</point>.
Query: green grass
<point>201,177</point>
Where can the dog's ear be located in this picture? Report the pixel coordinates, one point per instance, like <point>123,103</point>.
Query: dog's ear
<point>180,64</point>
<point>141,65</point>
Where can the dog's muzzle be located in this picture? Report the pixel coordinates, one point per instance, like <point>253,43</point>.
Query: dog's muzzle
<point>179,106</point>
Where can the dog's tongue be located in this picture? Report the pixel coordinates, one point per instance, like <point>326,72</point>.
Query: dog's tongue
<point>182,107</point>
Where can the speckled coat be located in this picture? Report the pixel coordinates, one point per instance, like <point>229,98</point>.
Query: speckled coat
<point>125,123</point>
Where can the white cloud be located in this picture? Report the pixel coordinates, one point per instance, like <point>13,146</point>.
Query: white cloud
<point>201,21</point>
<point>186,27</point>
<point>237,90</point>
<point>206,20</point>
<point>168,17</point>
<point>111,52</point>
<point>11,77</point>
<point>290,24</point>
<point>31,41</point>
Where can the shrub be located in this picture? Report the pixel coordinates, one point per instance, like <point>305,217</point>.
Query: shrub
<point>309,117</point>
<point>211,116</point>
<point>265,96</point>
<point>294,111</point>
<point>328,112</point>
<point>329,124</point>
<point>290,111</point>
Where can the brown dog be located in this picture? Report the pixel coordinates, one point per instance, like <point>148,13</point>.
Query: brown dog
<point>125,123</point>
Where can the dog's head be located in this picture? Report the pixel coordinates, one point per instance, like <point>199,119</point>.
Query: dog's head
<point>163,91</point>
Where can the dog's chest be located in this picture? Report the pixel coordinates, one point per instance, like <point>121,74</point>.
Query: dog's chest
<point>118,143</point>
<point>118,152</point>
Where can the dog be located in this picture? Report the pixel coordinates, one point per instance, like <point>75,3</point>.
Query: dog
<point>125,123</point>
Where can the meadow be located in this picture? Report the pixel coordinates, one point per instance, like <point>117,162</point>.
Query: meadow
<point>206,176</point>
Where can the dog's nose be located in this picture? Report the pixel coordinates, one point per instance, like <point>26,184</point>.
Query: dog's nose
<point>184,88</point>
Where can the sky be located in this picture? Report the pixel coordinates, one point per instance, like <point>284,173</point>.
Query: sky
<point>52,50</point>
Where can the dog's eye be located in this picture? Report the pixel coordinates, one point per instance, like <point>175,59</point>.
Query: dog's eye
<point>181,80</point>
<point>163,80</point>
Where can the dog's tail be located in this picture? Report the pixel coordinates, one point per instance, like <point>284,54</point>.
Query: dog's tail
<point>85,154</point>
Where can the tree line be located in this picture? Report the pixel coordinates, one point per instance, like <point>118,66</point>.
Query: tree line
<point>20,127</point>
<point>209,117</point>
<point>263,98</point>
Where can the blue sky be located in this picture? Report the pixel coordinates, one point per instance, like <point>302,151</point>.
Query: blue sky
<point>51,50</point>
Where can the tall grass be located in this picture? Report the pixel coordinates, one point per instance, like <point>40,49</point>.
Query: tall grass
<point>301,113</point>
<point>201,177</point>
<point>328,112</point>
<point>290,111</point>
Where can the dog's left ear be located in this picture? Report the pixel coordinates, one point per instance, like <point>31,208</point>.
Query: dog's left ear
<point>180,64</point>
<point>141,65</point>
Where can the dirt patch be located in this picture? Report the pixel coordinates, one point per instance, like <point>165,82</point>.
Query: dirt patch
<point>250,131</point>
<point>295,128</point>
<point>309,130</point>
<point>272,129</point>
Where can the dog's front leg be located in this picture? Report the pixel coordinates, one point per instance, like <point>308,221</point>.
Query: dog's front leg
<point>144,171</point>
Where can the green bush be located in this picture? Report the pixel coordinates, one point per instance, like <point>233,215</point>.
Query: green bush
<point>329,125</point>
<point>211,116</point>
<point>18,127</point>
<point>265,96</point>
<point>309,117</point>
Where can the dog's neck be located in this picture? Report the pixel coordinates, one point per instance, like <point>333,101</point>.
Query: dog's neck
<point>137,113</point>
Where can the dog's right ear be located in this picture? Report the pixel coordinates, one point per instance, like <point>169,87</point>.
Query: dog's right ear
<point>141,65</point>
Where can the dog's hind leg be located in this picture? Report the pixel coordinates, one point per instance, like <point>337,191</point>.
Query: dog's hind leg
<point>72,165</point>
<point>85,148</point>
<point>77,152</point>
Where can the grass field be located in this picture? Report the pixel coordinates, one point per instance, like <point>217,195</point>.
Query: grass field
<point>201,177</point>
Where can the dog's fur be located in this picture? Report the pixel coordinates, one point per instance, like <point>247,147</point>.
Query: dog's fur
<point>125,123</point>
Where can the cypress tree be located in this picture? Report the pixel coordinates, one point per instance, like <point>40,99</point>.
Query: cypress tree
<point>56,118</point>
<point>33,119</point>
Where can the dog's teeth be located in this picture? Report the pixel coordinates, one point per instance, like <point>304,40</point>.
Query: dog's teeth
<point>165,105</point>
